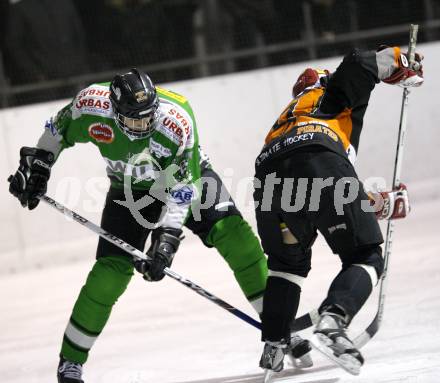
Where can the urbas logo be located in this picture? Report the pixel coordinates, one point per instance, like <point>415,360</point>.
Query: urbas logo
<point>101,133</point>
<point>181,118</point>
<point>93,103</point>
<point>183,195</point>
<point>169,123</point>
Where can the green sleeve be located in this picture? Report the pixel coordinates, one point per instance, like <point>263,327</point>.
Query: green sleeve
<point>64,130</point>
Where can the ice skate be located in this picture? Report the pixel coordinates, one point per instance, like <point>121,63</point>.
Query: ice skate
<point>298,352</point>
<point>272,359</point>
<point>330,339</point>
<point>69,372</point>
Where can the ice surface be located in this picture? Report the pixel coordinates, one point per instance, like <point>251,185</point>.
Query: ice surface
<point>164,332</point>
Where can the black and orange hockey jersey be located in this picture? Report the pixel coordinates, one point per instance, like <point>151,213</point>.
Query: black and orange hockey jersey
<point>331,112</point>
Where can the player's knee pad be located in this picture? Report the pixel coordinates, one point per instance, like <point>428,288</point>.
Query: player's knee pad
<point>370,259</point>
<point>108,279</point>
<point>289,254</point>
<point>294,260</point>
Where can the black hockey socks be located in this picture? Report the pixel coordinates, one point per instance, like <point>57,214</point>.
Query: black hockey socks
<point>349,291</point>
<point>281,301</point>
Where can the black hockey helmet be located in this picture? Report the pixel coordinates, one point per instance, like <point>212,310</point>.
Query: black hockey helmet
<point>135,103</point>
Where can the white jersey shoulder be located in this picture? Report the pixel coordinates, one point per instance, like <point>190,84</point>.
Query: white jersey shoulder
<point>93,100</point>
<point>176,124</point>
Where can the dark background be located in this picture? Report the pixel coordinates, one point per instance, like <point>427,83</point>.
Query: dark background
<point>50,49</point>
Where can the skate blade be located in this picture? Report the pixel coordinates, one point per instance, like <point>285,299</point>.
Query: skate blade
<point>346,361</point>
<point>304,362</point>
<point>269,375</point>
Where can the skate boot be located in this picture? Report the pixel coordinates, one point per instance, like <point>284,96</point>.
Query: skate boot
<point>69,372</point>
<point>272,358</point>
<point>298,352</point>
<point>331,339</point>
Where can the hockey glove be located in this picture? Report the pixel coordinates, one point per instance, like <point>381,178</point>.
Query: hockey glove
<point>391,205</point>
<point>30,180</point>
<point>404,73</point>
<point>164,244</point>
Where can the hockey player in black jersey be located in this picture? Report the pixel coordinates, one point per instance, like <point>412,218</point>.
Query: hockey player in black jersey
<point>306,182</point>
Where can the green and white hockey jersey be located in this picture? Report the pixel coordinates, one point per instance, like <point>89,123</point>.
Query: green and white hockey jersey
<point>167,161</point>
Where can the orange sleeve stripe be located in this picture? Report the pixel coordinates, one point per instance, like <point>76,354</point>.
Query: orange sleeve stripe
<point>397,56</point>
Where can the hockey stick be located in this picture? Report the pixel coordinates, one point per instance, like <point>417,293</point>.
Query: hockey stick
<point>135,253</point>
<point>305,321</point>
<point>373,328</point>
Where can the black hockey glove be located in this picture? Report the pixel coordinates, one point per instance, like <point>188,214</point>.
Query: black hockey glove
<point>164,244</point>
<point>30,180</point>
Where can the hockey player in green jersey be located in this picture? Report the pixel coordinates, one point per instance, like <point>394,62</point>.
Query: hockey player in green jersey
<point>148,137</point>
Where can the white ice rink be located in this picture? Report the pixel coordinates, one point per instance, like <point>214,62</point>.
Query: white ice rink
<point>164,332</point>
